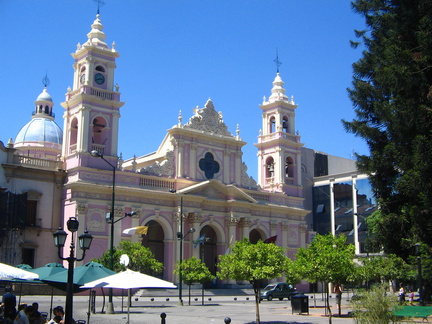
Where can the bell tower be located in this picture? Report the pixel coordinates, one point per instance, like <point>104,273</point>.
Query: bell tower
<point>91,119</point>
<point>279,148</point>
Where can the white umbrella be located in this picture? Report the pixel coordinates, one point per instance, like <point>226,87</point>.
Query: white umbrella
<point>128,280</point>
<point>8,272</point>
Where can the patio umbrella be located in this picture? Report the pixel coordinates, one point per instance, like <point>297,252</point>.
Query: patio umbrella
<point>128,280</point>
<point>82,274</point>
<point>8,272</point>
<point>48,270</point>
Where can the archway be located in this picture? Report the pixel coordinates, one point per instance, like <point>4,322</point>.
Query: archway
<point>254,236</point>
<point>208,250</point>
<point>154,240</point>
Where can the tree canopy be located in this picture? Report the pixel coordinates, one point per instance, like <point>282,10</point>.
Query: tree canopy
<point>141,259</point>
<point>392,96</point>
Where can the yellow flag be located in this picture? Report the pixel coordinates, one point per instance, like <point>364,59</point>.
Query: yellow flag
<point>141,230</point>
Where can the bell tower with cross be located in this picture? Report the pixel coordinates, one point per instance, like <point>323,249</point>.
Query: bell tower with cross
<point>279,147</point>
<point>91,119</point>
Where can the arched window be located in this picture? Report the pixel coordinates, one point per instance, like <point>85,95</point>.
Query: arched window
<point>99,124</point>
<point>272,125</point>
<point>73,135</point>
<point>285,125</point>
<point>100,68</point>
<point>269,167</point>
<point>154,240</point>
<point>208,250</point>
<point>289,167</point>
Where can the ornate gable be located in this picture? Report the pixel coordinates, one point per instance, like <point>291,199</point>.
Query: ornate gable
<point>207,119</point>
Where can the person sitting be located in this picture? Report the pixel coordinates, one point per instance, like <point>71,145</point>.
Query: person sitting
<point>21,317</point>
<point>58,311</point>
<point>35,317</point>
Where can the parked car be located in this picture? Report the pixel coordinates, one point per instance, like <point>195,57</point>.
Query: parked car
<point>278,290</point>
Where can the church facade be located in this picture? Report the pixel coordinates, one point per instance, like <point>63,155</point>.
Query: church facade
<point>195,179</point>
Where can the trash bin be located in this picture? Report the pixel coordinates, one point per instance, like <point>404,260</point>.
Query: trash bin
<point>300,304</point>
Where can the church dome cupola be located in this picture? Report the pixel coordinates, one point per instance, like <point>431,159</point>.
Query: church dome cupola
<point>41,135</point>
<point>44,104</point>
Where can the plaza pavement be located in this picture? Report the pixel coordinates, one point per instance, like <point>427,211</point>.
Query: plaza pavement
<point>238,305</point>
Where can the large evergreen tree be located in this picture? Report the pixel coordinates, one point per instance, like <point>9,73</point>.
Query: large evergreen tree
<point>392,96</point>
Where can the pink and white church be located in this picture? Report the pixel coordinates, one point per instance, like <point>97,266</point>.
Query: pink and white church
<point>199,159</point>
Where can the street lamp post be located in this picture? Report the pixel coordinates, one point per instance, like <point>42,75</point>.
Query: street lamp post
<point>419,269</point>
<point>110,220</point>
<point>181,237</point>
<point>84,243</point>
<point>94,153</point>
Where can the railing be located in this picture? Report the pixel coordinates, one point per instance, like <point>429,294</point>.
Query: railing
<point>102,93</point>
<point>72,149</point>
<point>294,138</point>
<point>152,182</point>
<point>100,148</point>
<point>94,92</point>
<point>259,196</point>
<point>37,163</point>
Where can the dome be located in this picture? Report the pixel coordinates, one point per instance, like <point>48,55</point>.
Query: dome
<point>44,96</point>
<point>40,130</point>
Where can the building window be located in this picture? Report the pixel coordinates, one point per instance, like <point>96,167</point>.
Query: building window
<point>28,256</point>
<point>31,213</point>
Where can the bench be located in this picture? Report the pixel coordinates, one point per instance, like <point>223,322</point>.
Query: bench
<point>414,312</point>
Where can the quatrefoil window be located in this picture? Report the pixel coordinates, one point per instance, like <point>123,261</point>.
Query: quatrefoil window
<point>209,165</point>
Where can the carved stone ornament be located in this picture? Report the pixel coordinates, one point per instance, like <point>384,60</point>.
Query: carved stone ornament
<point>194,217</point>
<point>81,209</point>
<point>164,168</point>
<point>246,180</point>
<point>208,120</point>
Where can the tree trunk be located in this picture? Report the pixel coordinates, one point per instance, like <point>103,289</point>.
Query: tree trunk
<point>256,287</point>
<point>328,303</point>
<point>189,293</point>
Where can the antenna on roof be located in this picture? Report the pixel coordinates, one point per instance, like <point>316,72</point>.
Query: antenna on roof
<point>278,63</point>
<point>45,80</point>
<point>99,3</point>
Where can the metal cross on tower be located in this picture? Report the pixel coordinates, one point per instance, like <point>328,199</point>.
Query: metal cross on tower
<point>99,3</point>
<point>278,63</point>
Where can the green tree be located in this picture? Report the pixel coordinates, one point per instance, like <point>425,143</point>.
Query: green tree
<point>382,268</point>
<point>193,271</point>
<point>254,263</point>
<point>141,259</point>
<point>392,96</point>
<point>327,259</point>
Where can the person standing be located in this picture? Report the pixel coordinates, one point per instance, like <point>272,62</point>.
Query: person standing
<point>338,291</point>
<point>9,305</point>
<point>401,294</point>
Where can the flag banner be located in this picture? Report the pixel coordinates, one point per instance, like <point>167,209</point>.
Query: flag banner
<point>271,239</point>
<point>136,230</point>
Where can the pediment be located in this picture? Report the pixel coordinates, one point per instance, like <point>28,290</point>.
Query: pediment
<point>215,190</point>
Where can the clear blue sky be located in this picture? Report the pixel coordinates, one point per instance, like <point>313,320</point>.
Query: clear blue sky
<point>176,54</point>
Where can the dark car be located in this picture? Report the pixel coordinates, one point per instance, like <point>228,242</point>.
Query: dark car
<point>278,290</point>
